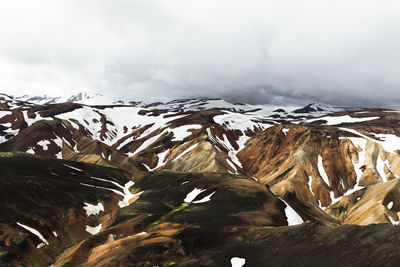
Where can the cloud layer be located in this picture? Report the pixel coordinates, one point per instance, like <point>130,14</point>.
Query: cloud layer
<point>337,52</point>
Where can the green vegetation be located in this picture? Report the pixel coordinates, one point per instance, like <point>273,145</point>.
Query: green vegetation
<point>19,238</point>
<point>168,263</point>
<point>52,250</point>
<point>3,252</point>
<point>234,223</point>
<point>164,217</point>
<point>96,239</point>
<point>144,264</point>
<point>32,261</point>
<point>53,198</point>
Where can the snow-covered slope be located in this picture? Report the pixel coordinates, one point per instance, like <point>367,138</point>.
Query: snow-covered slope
<point>178,105</point>
<point>327,164</point>
<point>81,98</point>
<point>209,135</point>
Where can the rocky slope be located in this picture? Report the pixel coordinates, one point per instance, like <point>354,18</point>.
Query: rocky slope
<point>46,204</point>
<point>261,168</point>
<point>321,161</point>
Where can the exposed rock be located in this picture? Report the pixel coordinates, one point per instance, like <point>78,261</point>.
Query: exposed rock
<point>228,180</point>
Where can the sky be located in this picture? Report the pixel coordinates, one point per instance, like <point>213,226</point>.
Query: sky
<point>258,52</point>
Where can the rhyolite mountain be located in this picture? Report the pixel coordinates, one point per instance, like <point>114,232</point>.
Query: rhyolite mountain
<point>197,182</point>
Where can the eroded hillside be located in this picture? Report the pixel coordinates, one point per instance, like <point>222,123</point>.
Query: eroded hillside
<point>182,182</point>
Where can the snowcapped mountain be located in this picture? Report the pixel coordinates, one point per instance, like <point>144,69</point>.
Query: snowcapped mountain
<point>81,98</point>
<point>204,170</point>
<point>178,105</point>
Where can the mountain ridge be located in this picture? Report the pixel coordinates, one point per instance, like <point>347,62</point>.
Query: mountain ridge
<point>329,166</point>
<point>98,99</point>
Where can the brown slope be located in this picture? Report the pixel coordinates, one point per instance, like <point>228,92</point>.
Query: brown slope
<point>369,205</point>
<point>175,230</point>
<point>204,157</point>
<point>206,149</point>
<point>293,159</point>
<point>286,161</point>
<point>64,141</point>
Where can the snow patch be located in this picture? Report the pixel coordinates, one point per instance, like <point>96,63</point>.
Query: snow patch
<point>9,132</point>
<point>205,199</point>
<point>30,121</point>
<point>321,170</point>
<point>285,130</point>
<point>6,124</point>
<point>193,194</point>
<point>93,230</point>
<point>35,232</point>
<point>232,165</point>
<point>390,142</point>
<point>358,142</point>
<point>232,152</point>
<point>72,167</point>
<point>341,119</point>
<point>312,193</point>
<point>128,195</point>
<point>74,124</point>
<point>185,152</point>
<point>380,168</point>
<point>324,176</point>
<point>141,233</point>
<point>161,159</point>
<point>93,209</point>
<point>237,262</point>
<point>393,221</point>
<point>146,143</point>
<point>293,218</point>
<point>44,144</point>
<point>4,113</point>
<point>105,188</point>
<point>182,132</point>
<point>111,238</point>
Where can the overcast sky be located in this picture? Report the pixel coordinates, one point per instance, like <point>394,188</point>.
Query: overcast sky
<point>337,52</point>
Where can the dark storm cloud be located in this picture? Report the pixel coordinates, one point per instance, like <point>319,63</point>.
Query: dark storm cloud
<point>337,52</point>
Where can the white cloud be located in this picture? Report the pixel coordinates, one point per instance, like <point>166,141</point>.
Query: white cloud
<point>333,51</point>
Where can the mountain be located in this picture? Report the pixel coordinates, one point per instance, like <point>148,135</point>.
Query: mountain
<point>197,182</point>
<point>97,99</point>
<point>81,98</point>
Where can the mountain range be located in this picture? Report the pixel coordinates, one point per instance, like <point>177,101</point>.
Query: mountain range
<point>91,181</point>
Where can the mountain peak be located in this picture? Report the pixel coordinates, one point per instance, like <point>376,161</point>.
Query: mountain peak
<point>312,107</point>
